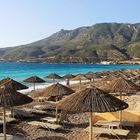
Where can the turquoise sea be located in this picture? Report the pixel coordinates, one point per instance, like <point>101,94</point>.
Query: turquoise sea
<point>20,71</point>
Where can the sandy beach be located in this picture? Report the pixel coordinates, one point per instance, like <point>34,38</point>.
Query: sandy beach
<point>72,129</point>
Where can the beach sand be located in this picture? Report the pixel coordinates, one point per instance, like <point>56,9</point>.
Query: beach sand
<point>72,130</point>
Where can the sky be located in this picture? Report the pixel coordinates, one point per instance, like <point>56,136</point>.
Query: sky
<point>26,21</point>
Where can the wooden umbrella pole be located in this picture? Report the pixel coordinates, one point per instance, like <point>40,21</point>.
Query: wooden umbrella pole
<point>80,82</point>
<point>56,113</point>
<point>34,91</point>
<point>34,86</point>
<point>4,123</point>
<point>80,85</point>
<point>90,126</point>
<point>120,112</point>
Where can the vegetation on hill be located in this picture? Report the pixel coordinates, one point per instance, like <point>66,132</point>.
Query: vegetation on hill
<point>104,41</point>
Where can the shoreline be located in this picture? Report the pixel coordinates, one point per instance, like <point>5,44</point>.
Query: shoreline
<point>44,85</point>
<point>102,63</point>
<point>63,82</point>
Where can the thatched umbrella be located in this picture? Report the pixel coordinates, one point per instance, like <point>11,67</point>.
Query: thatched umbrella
<point>107,78</point>
<point>56,90</point>
<point>136,78</point>
<point>121,85</point>
<point>79,78</point>
<point>53,76</point>
<point>14,84</point>
<point>91,100</point>
<point>9,98</point>
<point>34,80</point>
<point>100,83</point>
<point>90,75</point>
<point>68,77</point>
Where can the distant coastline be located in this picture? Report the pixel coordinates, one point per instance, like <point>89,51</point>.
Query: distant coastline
<point>134,61</point>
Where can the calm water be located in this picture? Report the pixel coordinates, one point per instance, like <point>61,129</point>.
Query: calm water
<point>20,71</point>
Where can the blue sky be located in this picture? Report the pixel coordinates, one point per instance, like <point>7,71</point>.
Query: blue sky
<point>25,21</point>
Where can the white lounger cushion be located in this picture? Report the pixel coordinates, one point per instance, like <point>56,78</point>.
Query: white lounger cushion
<point>101,130</point>
<point>45,125</point>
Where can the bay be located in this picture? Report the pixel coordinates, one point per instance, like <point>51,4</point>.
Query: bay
<point>20,71</point>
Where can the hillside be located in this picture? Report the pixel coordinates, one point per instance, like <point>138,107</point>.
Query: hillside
<point>104,41</point>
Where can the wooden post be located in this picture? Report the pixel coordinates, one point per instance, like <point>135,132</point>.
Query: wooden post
<point>80,85</point>
<point>34,86</point>
<point>56,113</point>
<point>80,82</point>
<point>120,112</point>
<point>90,126</point>
<point>4,123</point>
<point>34,90</point>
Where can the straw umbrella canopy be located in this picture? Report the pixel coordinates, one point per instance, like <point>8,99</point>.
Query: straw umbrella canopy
<point>121,85</point>
<point>68,77</point>
<point>56,90</point>
<point>14,84</point>
<point>9,98</point>
<point>108,78</point>
<point>53,76</point>
<point>90,75</point>
<point>91,100</point>
<point>103,81</point>
<point>79,78</point>
<point>98,75</point>
<point>136,78</point>
<point>34,80</point>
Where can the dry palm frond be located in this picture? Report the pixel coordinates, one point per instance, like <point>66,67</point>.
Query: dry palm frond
<point>10,97</point>
<point>34,79</point>
<point>91,99</point>
<point>14,84</point>
<point>56,90</point>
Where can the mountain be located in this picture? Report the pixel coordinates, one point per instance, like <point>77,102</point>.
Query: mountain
<point>104,41</point>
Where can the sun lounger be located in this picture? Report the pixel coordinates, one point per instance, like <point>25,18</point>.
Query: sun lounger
<point>35,111</point>
<point>112,124</point>
<point>8,120</point>
<point>108,124</point>
<point>45,125</point>
<point>127,124</point>
<point>45,107</point>
<point>11,137</point>
<point>22,113</point>
<point>49,119</point>
<point>116,132</point>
